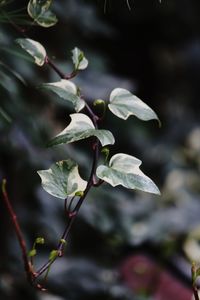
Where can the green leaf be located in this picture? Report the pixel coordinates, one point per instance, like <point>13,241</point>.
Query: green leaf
<point>123,104</point>
<point>79,60</point>
<point>81,127</point>
<point>124,170</point>
<point>40,12</point>
<point>62,179</point>
<point>67,91</point>
<point>35,49</point>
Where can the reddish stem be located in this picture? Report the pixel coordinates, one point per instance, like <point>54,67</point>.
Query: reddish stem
<point>17,229</point>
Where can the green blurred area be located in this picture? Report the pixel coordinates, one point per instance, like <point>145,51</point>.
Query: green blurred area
<point>154,51</point>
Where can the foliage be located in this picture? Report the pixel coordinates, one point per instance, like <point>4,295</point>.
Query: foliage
<point>62,180</point>
<point>115,219</point>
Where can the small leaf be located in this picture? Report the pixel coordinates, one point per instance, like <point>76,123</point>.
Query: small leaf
<point>123,104</point>
<point>124,170</point>
<point>81,127</point>
<point>62,179</point>
<point>79,60</point>
<point>35,49</point>
<point>67,91</point>
<point>53,254</point>
<point>40,12</point>
<point>32,253</point>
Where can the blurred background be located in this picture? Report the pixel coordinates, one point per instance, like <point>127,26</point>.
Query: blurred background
<point>124,244</point>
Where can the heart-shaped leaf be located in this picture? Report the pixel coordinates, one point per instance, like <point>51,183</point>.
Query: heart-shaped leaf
<point>35,49</point>
<point>62,179</point>
<point>79,60</point>
<point>81,127</point>
<point>124,170</point>
<point>67,91</point>
<point>123,104</point>
<point>40,12</point>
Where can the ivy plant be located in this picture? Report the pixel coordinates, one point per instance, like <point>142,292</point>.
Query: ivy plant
<point>62,178</point>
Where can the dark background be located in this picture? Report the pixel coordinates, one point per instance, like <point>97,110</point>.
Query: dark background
<point>154,51</point>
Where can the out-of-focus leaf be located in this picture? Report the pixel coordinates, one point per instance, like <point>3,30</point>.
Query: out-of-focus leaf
<point>4,116</point>
<point>79,60</point>
<point>13,72</point>
<point>81,127</point>
<point>41,13</point>
<point>67,91</point>
<point>62,179</point>
<point>123,104</point>
<point>4,2</point>
<point>124,170</point>
<point>35,49</point>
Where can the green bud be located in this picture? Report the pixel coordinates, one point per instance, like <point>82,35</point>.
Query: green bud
<point>32,253</point>
<point>3,187</point>
<point>106,152</point>
<point>99,102</point>
<point>63,241</point>
<point>53,254</point>
<point>79,194</point>
<point>40,240</point>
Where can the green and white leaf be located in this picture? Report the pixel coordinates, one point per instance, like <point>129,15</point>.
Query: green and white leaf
<point>62,179</point>
<point>124,170</point>
<point>124,104</point>
<point>79,59</point>
<point>67,91</point>
<point>81,127</point>
<point>41,13</point>
<point>35,49</point>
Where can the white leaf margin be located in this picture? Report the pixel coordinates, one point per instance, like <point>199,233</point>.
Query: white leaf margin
<point>33,48</point>
<point>125,166</point>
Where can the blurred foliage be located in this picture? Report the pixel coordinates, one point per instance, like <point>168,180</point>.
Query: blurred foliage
<point>152,50</point>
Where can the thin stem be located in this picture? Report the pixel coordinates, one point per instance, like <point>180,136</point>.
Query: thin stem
<point>195,292</point>
<point>72,215</point>
<point>58,71</point>
<point>18,230</point>
<point>71,220</point>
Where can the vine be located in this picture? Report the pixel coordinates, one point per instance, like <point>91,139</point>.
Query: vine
<point>62,179</point>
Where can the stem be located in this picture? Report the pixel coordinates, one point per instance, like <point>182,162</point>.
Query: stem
<point>58,71</point>
<point>18,231</point>
<point>32,276</point>
<point>195,292</point>
<point>72,217</point>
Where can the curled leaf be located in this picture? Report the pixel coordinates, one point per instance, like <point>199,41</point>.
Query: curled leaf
<point>81,127</point>
<point>79,60</point>
<point>124,104</point>
<point>67,91</point>
<point>35,49</point>
<point>124,170</point>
